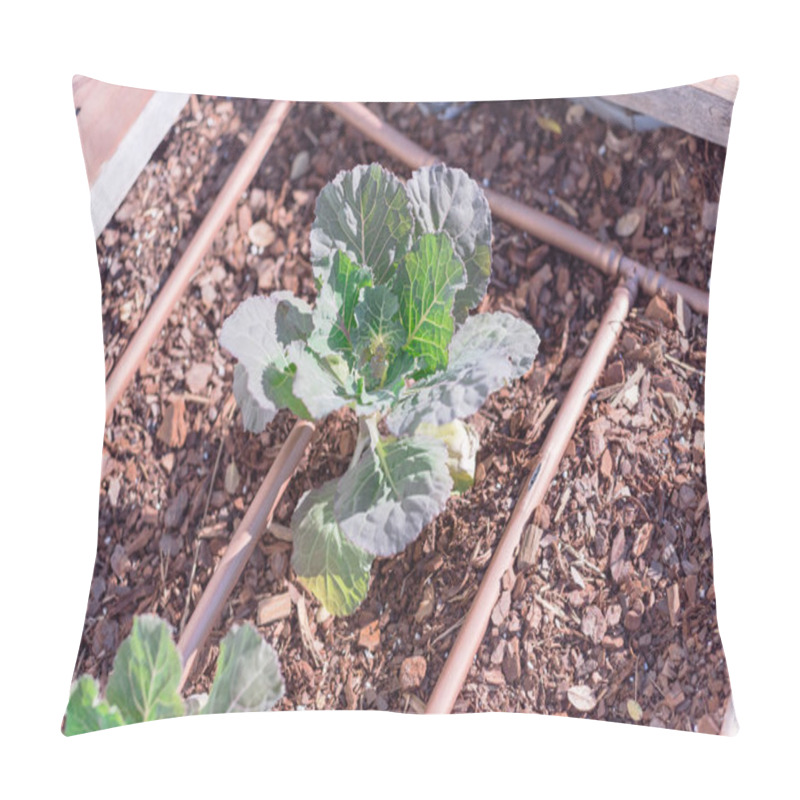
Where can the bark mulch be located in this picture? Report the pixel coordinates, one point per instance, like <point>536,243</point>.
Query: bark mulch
<point>609,611</point>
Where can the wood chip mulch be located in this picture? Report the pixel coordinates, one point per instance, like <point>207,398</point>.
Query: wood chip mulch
<point>609,611</point>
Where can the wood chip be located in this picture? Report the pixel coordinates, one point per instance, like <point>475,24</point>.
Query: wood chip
<point>658,309</point>
<point>707,725</point>
<point>529,547</point>
<point>673,603</point>
<point>426,605</point>
<point>593,624</point>
<point>197,377</point>
<point>307,637</point>
<point>512,669</point>
<point>273,608</point>
<point>709,216</point>
<point>616,563</point>
<point>173,428</point>
<point>412,672</point>
<point>606,465</point>
<point>177,508</point>
<point>370,636</point>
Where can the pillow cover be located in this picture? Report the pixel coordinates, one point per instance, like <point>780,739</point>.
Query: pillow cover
<point>608,610</point>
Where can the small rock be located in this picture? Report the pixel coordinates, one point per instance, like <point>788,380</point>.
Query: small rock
<point>300,165</point>
<point>628,223</point>
<point>232,478</point>
<point>261,234</point>
<point>412,672</point>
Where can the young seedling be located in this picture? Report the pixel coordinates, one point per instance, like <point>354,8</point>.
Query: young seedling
<point>397,268</point>
<point>143,684</point>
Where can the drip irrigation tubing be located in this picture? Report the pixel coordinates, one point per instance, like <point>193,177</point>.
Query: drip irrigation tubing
<point>242,545</point>
<point>545,467</point>
<point>176,284</point>
<point>607,258</point>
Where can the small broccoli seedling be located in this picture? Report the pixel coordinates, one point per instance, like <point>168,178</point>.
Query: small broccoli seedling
<point>397,268</point>
<point>144,681</point>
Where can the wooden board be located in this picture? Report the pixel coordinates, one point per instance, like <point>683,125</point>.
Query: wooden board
<point>702,109</point>
<point>120,127</point>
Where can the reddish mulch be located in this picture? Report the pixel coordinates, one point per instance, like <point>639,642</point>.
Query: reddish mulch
<point>613,589</point>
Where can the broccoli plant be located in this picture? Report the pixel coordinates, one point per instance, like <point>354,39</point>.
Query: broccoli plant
<point>144,680</point>
<point>397,269</point>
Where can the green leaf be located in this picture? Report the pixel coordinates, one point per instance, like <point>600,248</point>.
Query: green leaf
<point>395,489</point>
<point>427,281</point>
<point>258,334</point>
<point>487,351</point>
<point>86,711</point>
<point>278,387</point>
<point>379,335</point>
<point>447,199</point>
<point>147,670</point>
<point>322,385</point>
<point>333,569</point>
<point>334,311</point>
<point>248,676</point>
<point>364,213</point>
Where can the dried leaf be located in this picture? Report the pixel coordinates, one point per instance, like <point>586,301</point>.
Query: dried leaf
<point>547,124</point>
<point>426,605</point>
<point>582,697</point>
<point>634,711</point>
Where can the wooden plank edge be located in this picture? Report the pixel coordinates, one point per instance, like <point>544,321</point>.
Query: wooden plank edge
<point>119,173</point>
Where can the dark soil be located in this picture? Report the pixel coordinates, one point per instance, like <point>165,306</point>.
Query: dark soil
<point>618,596</point>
